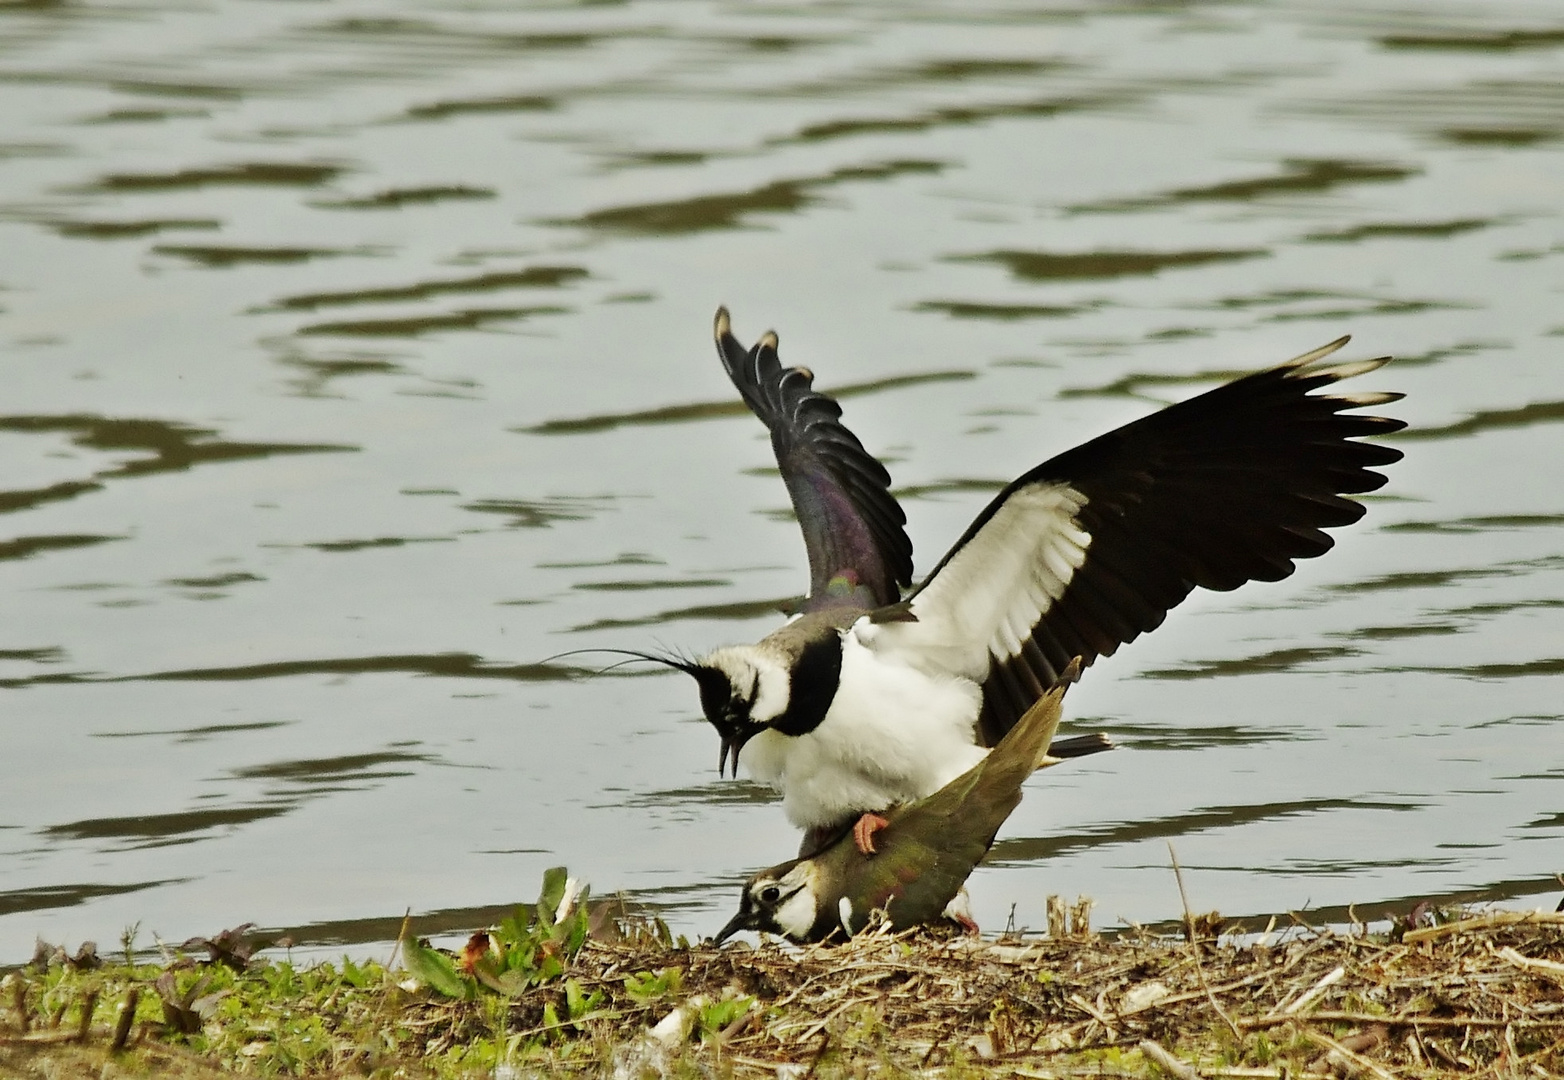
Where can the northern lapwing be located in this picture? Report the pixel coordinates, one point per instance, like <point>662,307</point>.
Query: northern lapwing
<point>867,699</point>
<point>927,848</point>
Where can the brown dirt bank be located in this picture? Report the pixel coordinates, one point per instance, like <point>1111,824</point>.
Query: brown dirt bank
<point>1481,994</point>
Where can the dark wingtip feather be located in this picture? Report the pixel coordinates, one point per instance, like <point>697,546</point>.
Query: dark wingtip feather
<point>1314,355</point>
<point>1233,485</point>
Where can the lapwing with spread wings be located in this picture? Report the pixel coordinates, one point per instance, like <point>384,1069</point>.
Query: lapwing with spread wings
<point>870,698</point>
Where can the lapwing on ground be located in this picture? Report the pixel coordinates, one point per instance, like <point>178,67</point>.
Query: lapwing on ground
<point>868,699</point>
<point>927,849</point>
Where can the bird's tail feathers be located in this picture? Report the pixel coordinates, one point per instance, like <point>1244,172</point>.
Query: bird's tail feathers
<point>1081,745</point>
<point>1030,740</point>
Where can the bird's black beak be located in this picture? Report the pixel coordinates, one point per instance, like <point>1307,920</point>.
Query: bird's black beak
<point>741,921</point>
<point>731,745</point>
<point>733,741</point>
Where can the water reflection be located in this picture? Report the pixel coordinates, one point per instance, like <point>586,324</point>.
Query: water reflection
<point>1476,40</point>
<point>385,337</point>
<point>532,277</point>
<point>742,611</point>
<point>21,901</point>
<point>1033,849</point>
<point>449,665</point>
<point>248,174</point>
<point>462,665</point>
<point>395,198</point>
<point>961,309</point>
<point>678,414</point>
<point>1297,176</point>
<point>25,547</point>
<point>951,116</point>
<point>196,734</point>
<point>412,326</point>
<point>172,446</point>
<point>1515,113</point>
<point>1539,412</point>
<point>1099,265</point>
<point>115,230</point>
<point>332,773</point>
<point>156,830</point>
<point>1276,660</point>
<point>1436,230</point>
<point>729,210</point>
<point>221,256</point>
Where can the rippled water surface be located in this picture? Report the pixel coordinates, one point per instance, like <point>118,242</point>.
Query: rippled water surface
<point>356,359</point>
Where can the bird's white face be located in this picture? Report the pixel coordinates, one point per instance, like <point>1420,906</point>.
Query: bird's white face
<point>783,900</point>
<point>742,690</point>
<point>758,682</point>
<point>792,899</point>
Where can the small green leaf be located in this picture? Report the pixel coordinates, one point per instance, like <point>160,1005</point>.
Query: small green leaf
<point>577,925</point>
<point>521,956</point>
<point>579,1003</point>
<point>434,969</point>
<point>354,975</point>
<point>716,1017</point>
<point>554,880</point>
<point>571,933</point>
<point>505,983</point>
<point>514,930</point>
<point>646,987</point>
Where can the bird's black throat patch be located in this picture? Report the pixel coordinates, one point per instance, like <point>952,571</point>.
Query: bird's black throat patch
<point>812,686</point>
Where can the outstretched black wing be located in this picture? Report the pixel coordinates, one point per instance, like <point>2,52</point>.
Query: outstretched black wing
<point>1092,548</point>
<point>854,530</point>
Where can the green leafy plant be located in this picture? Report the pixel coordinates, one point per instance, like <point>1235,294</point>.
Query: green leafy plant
<point>579,1004</point>
<point>529,948</point>
<point>432,967</point>
<point>715,1018</point>
<point>645,987</point>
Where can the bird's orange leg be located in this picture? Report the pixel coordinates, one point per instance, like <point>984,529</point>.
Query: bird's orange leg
<point>864,830</point>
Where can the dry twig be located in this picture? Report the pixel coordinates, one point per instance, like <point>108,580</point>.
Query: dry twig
<point>1194,945</point>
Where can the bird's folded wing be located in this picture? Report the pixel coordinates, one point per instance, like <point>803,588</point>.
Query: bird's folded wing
<point>854,529</point>
<point>1093,547</point>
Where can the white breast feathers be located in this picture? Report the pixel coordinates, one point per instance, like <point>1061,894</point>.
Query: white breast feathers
<point>892,734</point>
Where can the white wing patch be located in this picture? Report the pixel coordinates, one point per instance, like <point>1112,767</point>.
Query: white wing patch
<point>844,912</point>
<point>987,599</point>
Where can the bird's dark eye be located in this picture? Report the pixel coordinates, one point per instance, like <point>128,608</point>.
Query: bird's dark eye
<point>715,692</point>
<point>770,894</point>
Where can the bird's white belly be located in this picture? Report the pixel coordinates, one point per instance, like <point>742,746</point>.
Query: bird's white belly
<point>893,734</point>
